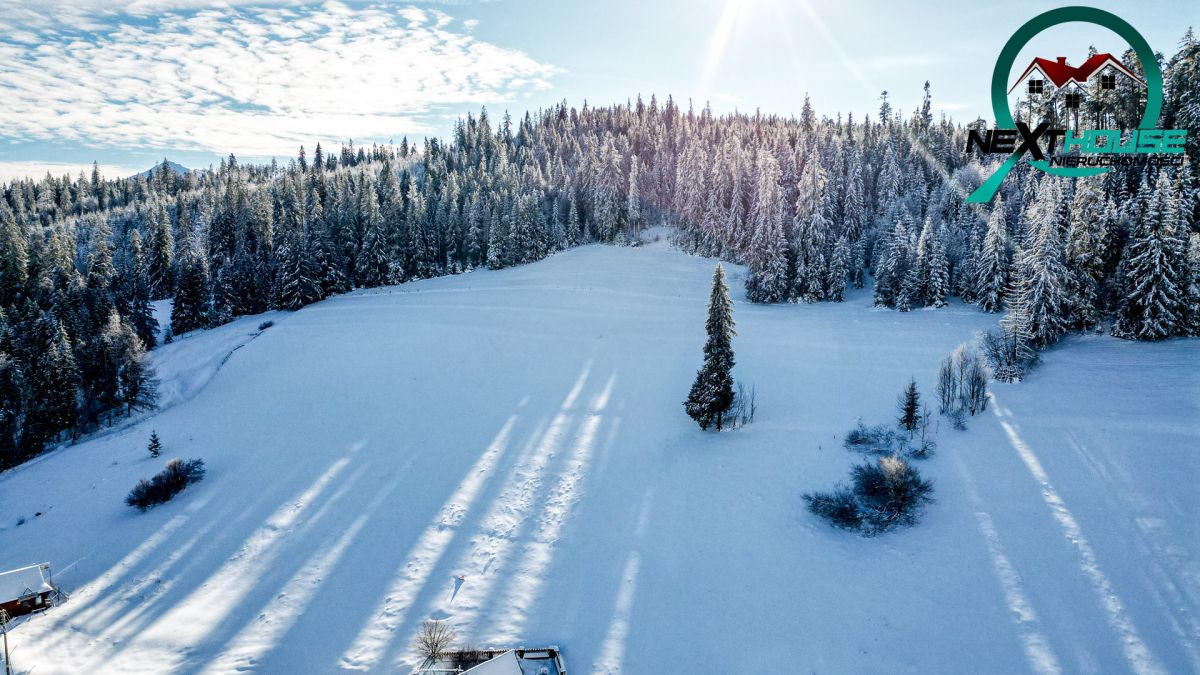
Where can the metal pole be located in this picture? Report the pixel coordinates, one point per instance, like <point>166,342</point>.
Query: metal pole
<point>4,630</point>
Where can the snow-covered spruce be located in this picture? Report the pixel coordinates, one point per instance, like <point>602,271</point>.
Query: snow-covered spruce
<point>711,395</point>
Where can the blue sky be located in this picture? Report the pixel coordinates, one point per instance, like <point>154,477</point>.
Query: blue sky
<point>128,83</point>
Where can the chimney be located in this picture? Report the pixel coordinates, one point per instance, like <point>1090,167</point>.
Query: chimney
<point>1062,60</point>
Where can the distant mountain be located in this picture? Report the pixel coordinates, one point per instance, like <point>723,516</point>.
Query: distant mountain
<point>177,168</point>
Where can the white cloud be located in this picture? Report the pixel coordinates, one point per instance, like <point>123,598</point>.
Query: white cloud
<point>256,81</point>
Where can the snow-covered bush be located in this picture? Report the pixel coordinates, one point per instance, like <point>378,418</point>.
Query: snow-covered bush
<point>177,475</point>
<point>877,440</point>
<point>882,495</point>
<point>882,440</point>
<point>839,507</point>
<point>265,325</point>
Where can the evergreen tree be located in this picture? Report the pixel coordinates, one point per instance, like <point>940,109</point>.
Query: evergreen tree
<point>811,226</point>
<point>992,271</point>
<point>162,254</point>
<point>909,409</point>
<point>767,257</point>
<point>130,374</point>
<point>54,388</point>
<point>839,262</point>
<point>137,292</point>
<point>894,265</point>
<point>14,257</point>
<point>190,310</point>
<point>155,446</point>
<point>633,201</point>
<point>712,393</point>
<point>1040,278</point>
<point>1192,297</point>
<point>14,395</point>
<point>1153,304</point>
<point>372,263</point>
<point>1085,252</point>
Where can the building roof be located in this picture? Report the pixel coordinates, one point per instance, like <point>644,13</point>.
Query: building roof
<point>505,664</point>
<point>19,583</point>
<point>1062,73</point>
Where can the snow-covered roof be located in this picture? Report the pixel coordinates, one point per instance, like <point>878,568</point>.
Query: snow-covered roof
<point>505,664</point>
<point>18,583</point>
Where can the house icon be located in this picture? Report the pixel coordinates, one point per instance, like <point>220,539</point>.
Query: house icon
<point>1070,80</point>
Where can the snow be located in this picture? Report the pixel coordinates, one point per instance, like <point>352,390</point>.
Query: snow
<point>523,428</point>
<point>161,309</point>
<point>186,364</point>
<point>505,664</point>
<point>18,583</point>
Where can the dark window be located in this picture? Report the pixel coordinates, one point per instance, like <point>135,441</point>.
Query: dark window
<point>1108,81</point>
<point>1036,86</point>
<point>1071,100</point>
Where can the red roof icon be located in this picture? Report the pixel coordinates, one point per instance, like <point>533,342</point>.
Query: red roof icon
<point>1061,73</point>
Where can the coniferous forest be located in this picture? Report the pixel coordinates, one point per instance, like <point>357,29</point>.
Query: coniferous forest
<point>812,204</point>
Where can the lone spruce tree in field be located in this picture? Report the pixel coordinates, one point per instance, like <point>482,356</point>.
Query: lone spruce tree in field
<point>909,407</point>
<point>155,446</point>
<point>712,393</point>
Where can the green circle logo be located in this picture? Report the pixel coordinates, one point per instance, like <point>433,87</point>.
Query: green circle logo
<point>1008,56</point>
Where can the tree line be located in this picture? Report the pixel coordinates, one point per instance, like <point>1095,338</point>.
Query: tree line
<point>812,205</point>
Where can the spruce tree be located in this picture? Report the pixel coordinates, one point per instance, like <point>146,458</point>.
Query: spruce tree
<point>372,263</point>
<point>190,310</point>
<point>14,394</point>
<point>937,284</point>
<point>155,446</point>
<point>909,408</point>
<point>767,256</point>
<point>839,263</point>
<point>1040,277</point>
<point>137,293</point>
<point>54,385</point>
<point>161,259</point>
<point>712,393</point>
<point>810,228</point>
<point>992,272</point>
<point>14,256</point>
<point>1192,297</point>
<point>633,201</point>
<point>1153,304</point>
<point>1085,252</point>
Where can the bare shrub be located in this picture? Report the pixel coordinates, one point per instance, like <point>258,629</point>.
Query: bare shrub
<point>745,405</point>
<point>962,381</point>
<point>435,638</point>
<point>974,389</point>
<point>1006,354</point>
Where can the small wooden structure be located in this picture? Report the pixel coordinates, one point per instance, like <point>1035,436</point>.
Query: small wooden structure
<point>27,590</point>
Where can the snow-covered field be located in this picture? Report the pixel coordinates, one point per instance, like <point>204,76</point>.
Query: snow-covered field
<point>524,428</point>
